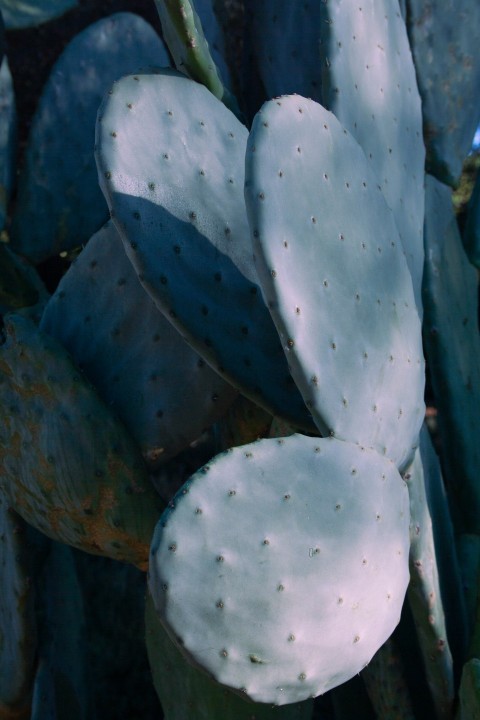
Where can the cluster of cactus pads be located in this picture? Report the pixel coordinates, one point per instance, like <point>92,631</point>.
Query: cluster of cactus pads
<point>226,387</point>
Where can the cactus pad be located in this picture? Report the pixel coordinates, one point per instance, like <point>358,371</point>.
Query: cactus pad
<point>29,13</point>
<point>370,85</point>
<point>285,40</point>
<point>18,640</point>
<point>335,277</point>
<point>60,205</point>
<point>444,40</point>
<point>67,466</point>
<point>186,693</point>
<point>8,136</point>
<point>281,567</point>
<point>162,390</point>
<point>174,185</point>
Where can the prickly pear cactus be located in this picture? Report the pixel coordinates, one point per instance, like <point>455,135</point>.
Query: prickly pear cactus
<point>29,13</point>
<point>284,605</point>
<point>382,114</point>
<point>8,136</point>
<point>180,212</point>
<point>443,37</point>
<point>162,390</point>
<point>188,694</point>
<point>61,685</point>
<point>18,630</point>
<point>183,32</point>
<point>59,204</point>
<point>337,284</point>
<point>285,43</point>
<point>68,467</point>
<point>471,235</point>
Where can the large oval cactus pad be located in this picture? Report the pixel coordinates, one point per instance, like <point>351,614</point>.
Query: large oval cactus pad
<point>281,567</point>
<point>335,276</point>
<point>68,467</point>
<point>59,203</point>
<point>171,165</point>
<point>163,391</point>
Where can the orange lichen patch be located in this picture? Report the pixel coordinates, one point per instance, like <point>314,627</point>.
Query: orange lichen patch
<point>108,499</point>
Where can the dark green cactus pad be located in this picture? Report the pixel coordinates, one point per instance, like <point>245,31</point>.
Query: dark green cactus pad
<point>161,389</point>
<point>183,32</point>
<point>444,39</point>
<point>59,203</point>
<point>61,685</point>
<point>386,684</point>
<point>424,594</point>
<point>335,277</point>
<point>29,13</point>
<point>281,566</point>
<point>471,235</point>
<point>68,467</point>
<point>452,585</point>
<point>470,691</point>
<point>171,165</point>
<point>285,42</point>
<point>369,84</point>
<point>120,682</point>
<point>8,133</point>
<point>186,693</point>
<point>452,347</point>
<point>18,631</point>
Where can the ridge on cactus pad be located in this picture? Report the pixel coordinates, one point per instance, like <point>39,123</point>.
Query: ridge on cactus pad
<point>281,567</point>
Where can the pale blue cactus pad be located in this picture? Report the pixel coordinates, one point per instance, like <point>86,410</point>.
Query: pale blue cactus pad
<point>163,391</point>
<point>59,203</point>
<point>171,165</point>
<point>281,567</point>
<point>369,83</point>
<point>335,277</point>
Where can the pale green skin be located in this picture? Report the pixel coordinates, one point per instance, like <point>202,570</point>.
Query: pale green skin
<point>281,567</point>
